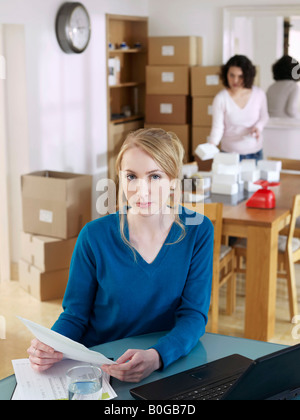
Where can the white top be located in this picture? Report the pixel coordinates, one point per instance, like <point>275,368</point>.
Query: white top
<point>284,99</point>
<point>232,124</point>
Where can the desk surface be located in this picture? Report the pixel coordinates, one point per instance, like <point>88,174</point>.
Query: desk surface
<point>209,348</point>
<point>284,193</point>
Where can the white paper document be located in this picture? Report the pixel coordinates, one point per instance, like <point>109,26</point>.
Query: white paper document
<point>50,384</point>
<point>70,349</point>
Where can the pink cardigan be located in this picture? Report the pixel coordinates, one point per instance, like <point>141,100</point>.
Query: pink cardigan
<point>232,124</point>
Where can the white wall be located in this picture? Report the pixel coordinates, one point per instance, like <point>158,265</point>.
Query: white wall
<point>65,97</point>
<point>268,46</point>
<point>17,138</point>
<point>200,18</point>
<point>295,38</point>
<point>4,214</point>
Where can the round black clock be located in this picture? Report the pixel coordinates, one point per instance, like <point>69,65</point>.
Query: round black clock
<point>73,28</point>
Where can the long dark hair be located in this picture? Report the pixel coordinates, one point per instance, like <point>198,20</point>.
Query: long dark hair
<point>248,69</point>
<point>283,69</point>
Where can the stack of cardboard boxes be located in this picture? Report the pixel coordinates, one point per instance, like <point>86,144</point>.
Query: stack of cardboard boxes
<point>56,206</point>
<point>168,84</point>
<point>225,174</point>
<point>206,83</point>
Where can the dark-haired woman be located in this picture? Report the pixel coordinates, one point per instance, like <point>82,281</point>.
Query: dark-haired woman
<point>284,95</point>
<point>240,111</point>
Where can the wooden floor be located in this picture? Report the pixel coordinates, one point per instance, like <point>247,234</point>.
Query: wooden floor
<point>15,301</point>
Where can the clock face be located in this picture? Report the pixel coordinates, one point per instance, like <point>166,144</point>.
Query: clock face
<point>79,28</point>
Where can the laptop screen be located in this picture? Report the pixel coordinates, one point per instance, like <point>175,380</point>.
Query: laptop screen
<point>268,376</point>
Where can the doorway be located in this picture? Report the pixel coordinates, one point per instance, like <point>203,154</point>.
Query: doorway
<point>258,32</point>
<point>294,38</point>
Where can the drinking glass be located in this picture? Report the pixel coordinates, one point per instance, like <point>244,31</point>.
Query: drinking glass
<point>84,383</point>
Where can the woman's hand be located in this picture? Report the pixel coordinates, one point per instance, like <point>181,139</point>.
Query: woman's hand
<point>134,365</point>
<point>41,356</point>
<point>255,132</point>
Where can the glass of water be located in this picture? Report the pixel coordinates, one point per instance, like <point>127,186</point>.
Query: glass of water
<point>84,383</point>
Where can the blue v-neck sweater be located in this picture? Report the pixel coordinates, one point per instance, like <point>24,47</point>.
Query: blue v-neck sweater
<point>110,295</point>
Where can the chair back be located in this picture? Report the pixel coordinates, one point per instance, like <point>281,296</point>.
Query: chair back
<point>295,215</point>
<point>214,212</point>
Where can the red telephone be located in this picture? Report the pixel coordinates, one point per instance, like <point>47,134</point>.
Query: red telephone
<point>263,198</point>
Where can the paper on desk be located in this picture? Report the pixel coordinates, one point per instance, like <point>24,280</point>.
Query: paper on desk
<point>70,349</point>
<point>50,384</point>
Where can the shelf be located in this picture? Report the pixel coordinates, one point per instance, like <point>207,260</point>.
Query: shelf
<point>129,51</point>
<point>123,85</point>
<point>130,90</point>
<point>127,119</point>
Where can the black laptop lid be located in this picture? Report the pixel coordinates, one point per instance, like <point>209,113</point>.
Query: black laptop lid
<point>167,388</point>
<point>268,376</point>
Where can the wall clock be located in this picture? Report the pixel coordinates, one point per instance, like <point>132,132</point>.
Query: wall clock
<point>73,28</point>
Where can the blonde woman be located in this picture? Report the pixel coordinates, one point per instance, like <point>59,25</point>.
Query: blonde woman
<point>145,268</point>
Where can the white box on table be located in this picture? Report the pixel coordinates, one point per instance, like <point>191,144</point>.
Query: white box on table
<point>269,165</point>
<point>225,178</point>
<point>251,176</point>
<point>227,158</point>
<point>271,176</point>
<point>226,189</point>
<point>220,168</point>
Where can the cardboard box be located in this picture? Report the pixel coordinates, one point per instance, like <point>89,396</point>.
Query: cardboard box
<point>202,111</point>
<point>189,169</point>
<point>43,285</point>
<point>225,169</point>
<point>251,187</point>
<point>269,165</point>
<point>175,50</point>
<point>167,109</point>
<point>56,204</point>
<point>206,81</point>
<point>225,178</point>
<point>206,151</point>
<point>228,159</point>
<point>200,135</point>
<point>226,189</point>
<point>182,132</point>
<point>117,136</point>
<point>271,176</point>
<point>46,253</point>
<point>250,176</point>
<point>167,80</point>
<point>204,165</point>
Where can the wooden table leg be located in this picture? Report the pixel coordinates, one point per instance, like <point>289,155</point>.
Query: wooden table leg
<point>261,277</point>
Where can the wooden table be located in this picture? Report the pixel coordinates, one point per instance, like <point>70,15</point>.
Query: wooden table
<point>261,228</point>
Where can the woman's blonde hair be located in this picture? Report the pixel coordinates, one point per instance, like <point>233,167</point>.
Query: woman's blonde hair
<point>167,151</point>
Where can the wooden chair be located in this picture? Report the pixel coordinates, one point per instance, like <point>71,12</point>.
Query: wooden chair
<point>290,165</point>
<point>288,255</point>
<point>223,262</point>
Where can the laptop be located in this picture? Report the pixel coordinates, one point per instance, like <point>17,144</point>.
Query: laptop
<point>235,377</point>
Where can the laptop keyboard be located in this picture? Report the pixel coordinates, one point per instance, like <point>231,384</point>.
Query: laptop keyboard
<point>213,391</point>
